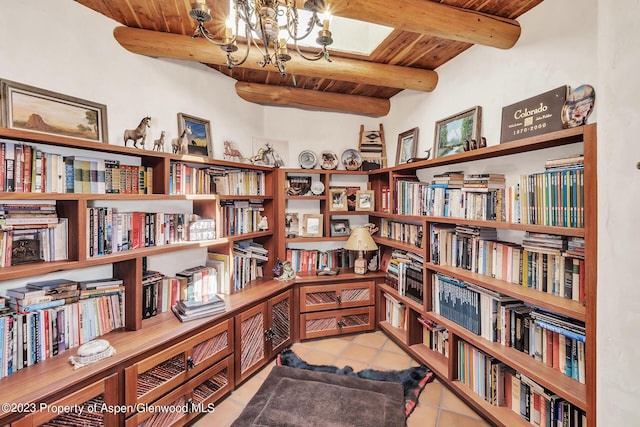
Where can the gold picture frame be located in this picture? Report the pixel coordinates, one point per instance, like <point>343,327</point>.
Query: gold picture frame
<point>44,111</point>
<point>407,146</point>
<point>338,201</point>
<point>199,141</point>
<point>451,133</point>
<point>365,200</point>
<point>312,225</point>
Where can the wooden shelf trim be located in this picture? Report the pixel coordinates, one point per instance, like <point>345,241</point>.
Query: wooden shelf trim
<point>544,375</point>
<point>574,309</point>
<point>539,142</point>
<point>396,244</point>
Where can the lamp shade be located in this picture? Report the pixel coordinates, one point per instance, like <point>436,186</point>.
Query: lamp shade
<point>360,240</point>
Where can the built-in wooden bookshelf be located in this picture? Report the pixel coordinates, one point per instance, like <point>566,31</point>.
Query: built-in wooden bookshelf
<point>409,336</point>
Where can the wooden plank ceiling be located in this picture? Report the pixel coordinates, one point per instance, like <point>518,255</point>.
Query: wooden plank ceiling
<point>432,41</point>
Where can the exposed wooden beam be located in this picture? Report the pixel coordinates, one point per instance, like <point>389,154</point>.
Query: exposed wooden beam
<point>312,100</point>
<point>176,46</point>
<point>431,18</point>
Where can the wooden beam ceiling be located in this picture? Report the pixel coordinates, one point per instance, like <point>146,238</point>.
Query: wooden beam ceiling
<point>176,46</point>
<point>312,100</point>
<point>430,18</point>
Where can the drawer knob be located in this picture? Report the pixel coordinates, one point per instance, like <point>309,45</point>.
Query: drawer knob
<point>190,364</point>
<point>340,324</point>
<point>339,299</point>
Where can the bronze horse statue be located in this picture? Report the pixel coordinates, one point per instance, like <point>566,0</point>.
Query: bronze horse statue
<point>137,133</point>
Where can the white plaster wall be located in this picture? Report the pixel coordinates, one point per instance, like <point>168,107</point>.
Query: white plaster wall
<point>618,372</point>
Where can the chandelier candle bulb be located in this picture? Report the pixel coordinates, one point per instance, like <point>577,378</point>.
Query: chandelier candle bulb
<point>325,25</point>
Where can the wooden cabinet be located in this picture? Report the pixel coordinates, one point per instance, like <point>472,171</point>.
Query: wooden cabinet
<point>336,306</point>
<point>189,400</point>
<point>263,331</point>
<point>86,406</point>
<point>154,376</point>
<point>463,344</point>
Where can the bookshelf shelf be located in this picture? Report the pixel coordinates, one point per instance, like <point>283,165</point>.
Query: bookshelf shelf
<point>578,395</point>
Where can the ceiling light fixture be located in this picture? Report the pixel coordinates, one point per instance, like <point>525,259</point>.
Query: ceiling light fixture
<point>262,30</point>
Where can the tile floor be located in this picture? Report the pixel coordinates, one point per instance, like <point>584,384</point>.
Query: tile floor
<point>437,406</point>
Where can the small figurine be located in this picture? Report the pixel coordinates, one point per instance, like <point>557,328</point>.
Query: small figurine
<point>467,145</point>
<point>259,157</point>
<point>482,143</point>
<point>277,268</point>
<point>138,133</point>
<point>371,227</point>
<point>179,145</point>
<point>271,157</point>
<point>288,273</point>
<point>158,144</point>
<point>263,225</point>
<point>231,153</point>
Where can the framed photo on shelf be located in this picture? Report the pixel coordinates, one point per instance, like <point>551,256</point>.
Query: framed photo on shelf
<point>291,225</point>
<point>312,225</point>
<point>365,200</point>
<point>43,111</point>
<point>407,146</point>
<point>199,141</point>
<point>338,201</point>
<point>340,227</point>
<point>451,133</point>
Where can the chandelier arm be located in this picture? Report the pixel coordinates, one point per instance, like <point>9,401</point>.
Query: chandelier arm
<point>202,31</point>
<point>323,53</point>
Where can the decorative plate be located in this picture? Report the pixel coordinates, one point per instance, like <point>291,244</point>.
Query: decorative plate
<point>307,159</point>
<point>317,188</point>
<point>578,106</point>
<point>351,159</point>
<point>329,160</point>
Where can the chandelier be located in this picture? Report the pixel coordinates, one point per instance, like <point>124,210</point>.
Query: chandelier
<point>260,18</point>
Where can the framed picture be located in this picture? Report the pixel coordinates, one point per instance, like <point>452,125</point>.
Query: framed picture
<point>338,201</point>
<point>452,132</point>
<point>340,227</point>
<point>199,140</point>
<point>43,111</point>
<point>365,200</point>
<point>312,225</point>
<point>407,146</point>
<point>351,197</point>
<point>291,225</point>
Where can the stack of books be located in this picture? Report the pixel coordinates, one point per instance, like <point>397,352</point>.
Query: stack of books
<point>42,295</point>
<point>191,310</point>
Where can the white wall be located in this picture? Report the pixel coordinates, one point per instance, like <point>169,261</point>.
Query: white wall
<point>563,42</point>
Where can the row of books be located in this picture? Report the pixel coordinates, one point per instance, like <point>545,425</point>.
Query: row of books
<point>23,169</point>
<point>500,385</point>
<point>248,259</point>
<point>401,232</point>
<point>47,317</point>
<point>314,259</point>
<point>87,175</point>
<point>395,312</point>
<point>543,262</point>
<point>189,179</point>
<point>29,245</point>
<point>110,231</point>
<point>553,198</point>
<point>405,277</point>
<point>240,217</point>
<point>435,337</point>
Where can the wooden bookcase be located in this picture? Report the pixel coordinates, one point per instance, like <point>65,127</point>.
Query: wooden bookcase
<point>410,336</point>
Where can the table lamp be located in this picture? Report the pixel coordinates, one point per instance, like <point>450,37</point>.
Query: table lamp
<point>360,240</point>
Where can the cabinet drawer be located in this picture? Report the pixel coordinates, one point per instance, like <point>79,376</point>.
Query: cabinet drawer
<point>152,377</point>
<point>336,295</point>
<point>335,322</point>
<point>189,400</point>
<point>85,406</point>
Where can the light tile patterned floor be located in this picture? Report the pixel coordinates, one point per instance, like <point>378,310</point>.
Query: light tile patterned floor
<point>437,406</point>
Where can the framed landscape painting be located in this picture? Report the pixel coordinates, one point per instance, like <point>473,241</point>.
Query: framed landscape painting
<point>38,110</point>
<point>451,132</point>
<point>200,142</point>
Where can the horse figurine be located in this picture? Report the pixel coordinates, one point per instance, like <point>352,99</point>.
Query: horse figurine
<point>138,133</point>
<point>179,145</point>
<point>231,153</point>
<point>258,157</point>
<point>158,144</point>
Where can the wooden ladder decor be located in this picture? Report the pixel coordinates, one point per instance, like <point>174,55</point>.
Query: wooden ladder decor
<point>372,149</point>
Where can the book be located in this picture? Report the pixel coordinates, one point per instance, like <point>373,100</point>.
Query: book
<point>53,285</point>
